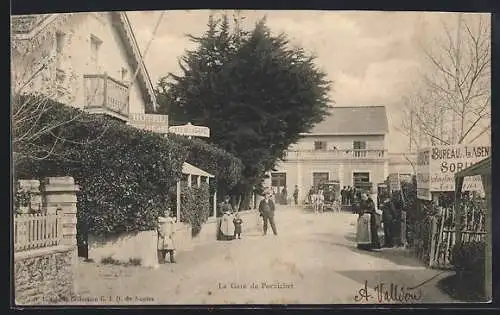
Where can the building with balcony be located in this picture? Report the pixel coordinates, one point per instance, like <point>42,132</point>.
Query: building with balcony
<point>349,145</point>
<point>88,60</point>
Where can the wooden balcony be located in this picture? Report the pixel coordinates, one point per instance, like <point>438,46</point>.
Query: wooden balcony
<point>106,95</point>
<point>336,154</point>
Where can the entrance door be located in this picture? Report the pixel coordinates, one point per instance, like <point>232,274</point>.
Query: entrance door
<point>361,179</point>
<point>278,180</point>
<point>320,178</point>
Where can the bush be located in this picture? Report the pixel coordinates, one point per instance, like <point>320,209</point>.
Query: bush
<point>226,168</point>
<point>195,206</point>
<point>469,256</point>
<point>469,262</point>
<point>124,173</point>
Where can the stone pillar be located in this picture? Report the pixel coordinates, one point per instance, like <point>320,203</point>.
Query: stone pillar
<point>386,169</point>
<point>59,196</point>
<point>198,181</point>
<point>189,180</point>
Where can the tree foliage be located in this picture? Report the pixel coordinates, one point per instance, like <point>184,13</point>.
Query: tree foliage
<point>254,91</point>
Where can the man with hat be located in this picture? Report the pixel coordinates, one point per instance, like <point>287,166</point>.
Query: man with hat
<point>266,210</point>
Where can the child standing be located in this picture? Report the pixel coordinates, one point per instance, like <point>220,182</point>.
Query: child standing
<point>237,225</point>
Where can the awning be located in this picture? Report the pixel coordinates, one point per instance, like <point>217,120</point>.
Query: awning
<point>189,169</point>
<point>481,168</point>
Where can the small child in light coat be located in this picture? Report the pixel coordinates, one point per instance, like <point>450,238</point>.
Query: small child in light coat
<point>237,221</point>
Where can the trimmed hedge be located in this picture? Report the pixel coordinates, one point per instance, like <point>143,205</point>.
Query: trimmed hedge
<point>195,206</point>
<point>469,262</point>
<point>469,256</point>
<point>124,173</point>
<point>226,168</point>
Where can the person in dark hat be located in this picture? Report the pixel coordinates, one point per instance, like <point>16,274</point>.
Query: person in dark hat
<point>266,210</point>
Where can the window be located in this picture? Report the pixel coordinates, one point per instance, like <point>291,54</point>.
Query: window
<point>359,145</point>
<point>124,74</point>
<point>359,148</point>
<point>95,45</point>
<point>361,179</point>
<point>278,179</point>
<point>320,178</point>
<point>319,145</point>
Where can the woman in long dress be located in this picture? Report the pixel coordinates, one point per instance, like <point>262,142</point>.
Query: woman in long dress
<point>226,227</point>
<point>367,227</point>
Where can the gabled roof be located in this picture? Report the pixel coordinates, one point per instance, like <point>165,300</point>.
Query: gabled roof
<point>190,169</point>
<point>353,120</point>
<point>27,27</point>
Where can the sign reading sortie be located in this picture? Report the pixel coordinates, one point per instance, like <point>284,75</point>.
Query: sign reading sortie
<point>436,168</point>
<point>191,130</point>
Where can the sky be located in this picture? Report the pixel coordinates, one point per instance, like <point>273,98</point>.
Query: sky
<point>372,58</point>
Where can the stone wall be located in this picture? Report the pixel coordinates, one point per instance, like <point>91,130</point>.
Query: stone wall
<point>44,276</point>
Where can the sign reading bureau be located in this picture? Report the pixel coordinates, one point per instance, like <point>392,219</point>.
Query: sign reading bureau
<point>436,168</point>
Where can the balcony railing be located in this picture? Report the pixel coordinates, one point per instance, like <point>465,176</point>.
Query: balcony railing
<point>105,95</point>
<point>336,154</point>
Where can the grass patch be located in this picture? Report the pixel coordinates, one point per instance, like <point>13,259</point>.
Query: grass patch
<point>134,261</point>
<point>110,261</point>
<point>465,288</point>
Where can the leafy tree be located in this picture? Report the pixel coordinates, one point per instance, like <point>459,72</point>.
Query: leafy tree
<point>254,91</point>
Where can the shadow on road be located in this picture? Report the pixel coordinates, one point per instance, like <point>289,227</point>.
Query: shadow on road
<point>397,255</point>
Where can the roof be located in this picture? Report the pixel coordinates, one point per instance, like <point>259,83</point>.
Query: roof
<point>353,120</point>
<point>27,27</point>
<point>481,168</point>
<point>193,170</point>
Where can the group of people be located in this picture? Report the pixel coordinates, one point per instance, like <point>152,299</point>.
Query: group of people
<point>371,220</point>
<point>230,224</point>
<point>348,194</point>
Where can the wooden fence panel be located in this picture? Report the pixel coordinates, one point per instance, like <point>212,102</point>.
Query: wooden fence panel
<point>36,230</point>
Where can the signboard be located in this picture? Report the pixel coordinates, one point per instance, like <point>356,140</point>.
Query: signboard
<point>423,185</point>
<point>436,168</point>
<point>151,122</point>
<point>394,182</point>
<point>190,130</point>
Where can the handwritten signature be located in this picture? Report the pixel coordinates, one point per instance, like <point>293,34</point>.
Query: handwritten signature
<point>389,292</point>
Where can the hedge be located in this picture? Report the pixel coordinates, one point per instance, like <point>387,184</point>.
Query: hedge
<point>195,206</point>
<point>226,168</point>
<point>124,173</point>
<point>469,262</point>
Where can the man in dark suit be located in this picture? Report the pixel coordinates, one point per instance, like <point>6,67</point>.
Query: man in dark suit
<point>266,210</point>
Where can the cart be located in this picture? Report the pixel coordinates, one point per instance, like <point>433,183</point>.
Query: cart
<point>331,191</point>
